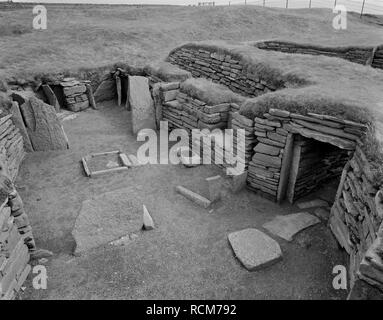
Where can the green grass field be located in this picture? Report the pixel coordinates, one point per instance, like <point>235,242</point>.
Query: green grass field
<point>82,36</point>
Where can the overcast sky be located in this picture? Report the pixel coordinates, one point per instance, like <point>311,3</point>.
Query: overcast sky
<point>371,6</point>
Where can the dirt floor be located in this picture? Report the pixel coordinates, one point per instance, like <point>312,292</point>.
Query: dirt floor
<point>187,256</point>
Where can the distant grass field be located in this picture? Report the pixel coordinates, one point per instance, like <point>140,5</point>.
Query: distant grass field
<point>86,36</point>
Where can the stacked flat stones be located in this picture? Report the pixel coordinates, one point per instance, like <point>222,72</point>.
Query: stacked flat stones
<point>265,166</point>
<point>11,145</point>
<point>75,94</point>
<point>240,122</point>
<point>359,55</point>
<point>272,132</point>
<point>220,68</point>
<point>183,111</point>
<point>14,253</point>
<point>355,218</point>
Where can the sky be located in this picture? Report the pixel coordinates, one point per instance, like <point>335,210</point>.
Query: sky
<point>371,6</point>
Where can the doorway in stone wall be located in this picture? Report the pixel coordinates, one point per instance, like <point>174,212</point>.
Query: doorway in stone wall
<point>314,166</point>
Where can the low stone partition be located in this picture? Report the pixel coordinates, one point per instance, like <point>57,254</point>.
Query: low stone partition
<point>356,218</point>
<point>222,67</point>
<point>75,94</point>
<point>361,55</point>
<point>182,110</point>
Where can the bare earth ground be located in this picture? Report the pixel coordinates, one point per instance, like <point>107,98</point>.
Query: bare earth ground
<point>186,256</point>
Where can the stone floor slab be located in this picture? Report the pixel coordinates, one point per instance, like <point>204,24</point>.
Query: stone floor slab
<point>254,249</point>
<point>286,227</point>
<point>106,217</point>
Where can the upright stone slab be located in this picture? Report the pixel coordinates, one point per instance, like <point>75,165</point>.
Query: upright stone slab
<point>43,127</point>
<point>106,90</point>
<point>254,249</point>
<point>51,97</point>
<point>141,103</point>
<point>19,123</point>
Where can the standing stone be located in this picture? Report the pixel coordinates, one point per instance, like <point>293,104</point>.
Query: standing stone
<point>254,249</point>
<point>51,97</point>
<point>89,92</point>
<point>19,123</point>
<point>156,92</point>
<point>141,103</point>
<point>118,89</point>
<point>43,126</point>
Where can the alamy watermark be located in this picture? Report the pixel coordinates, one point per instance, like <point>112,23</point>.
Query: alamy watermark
<point>339,22</point>
<point>40,280</point>
<point>228,147</point>
<point>40,19</point>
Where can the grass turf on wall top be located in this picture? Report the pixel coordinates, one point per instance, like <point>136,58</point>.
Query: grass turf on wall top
<point>307,83</point>
<point>317,84</point>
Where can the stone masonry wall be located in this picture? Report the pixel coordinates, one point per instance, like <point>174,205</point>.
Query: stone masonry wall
<point>361,55</point>
<point>11,145</point>
<point>356,217</point>
<point>16,238</point>
<point>271,165</point>
<point>221,68</point>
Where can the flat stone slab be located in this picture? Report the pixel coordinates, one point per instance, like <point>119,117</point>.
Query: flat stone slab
<point>254,249</point>
<point>107,217</point>
<point>286,227</point>
<point>312,204</point>
<point>141,103</point>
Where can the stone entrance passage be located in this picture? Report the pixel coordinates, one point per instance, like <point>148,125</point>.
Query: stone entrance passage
<point>313,163</point>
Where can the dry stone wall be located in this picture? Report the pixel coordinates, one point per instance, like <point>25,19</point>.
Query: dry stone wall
<point>361,55</point>
<point>377,61</point>
<point>184,111</point>
<point>318,163</point>
<point>276,159</point>
<point>75,94</point>
<point>221,68</point>
<point>356,217</point>
<point>11,146</point>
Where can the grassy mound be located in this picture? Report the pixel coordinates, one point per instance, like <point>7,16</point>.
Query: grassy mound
<point>166,71</point>
<point>93,35</point>
<point>298,101</point>
<point>209,92</point>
